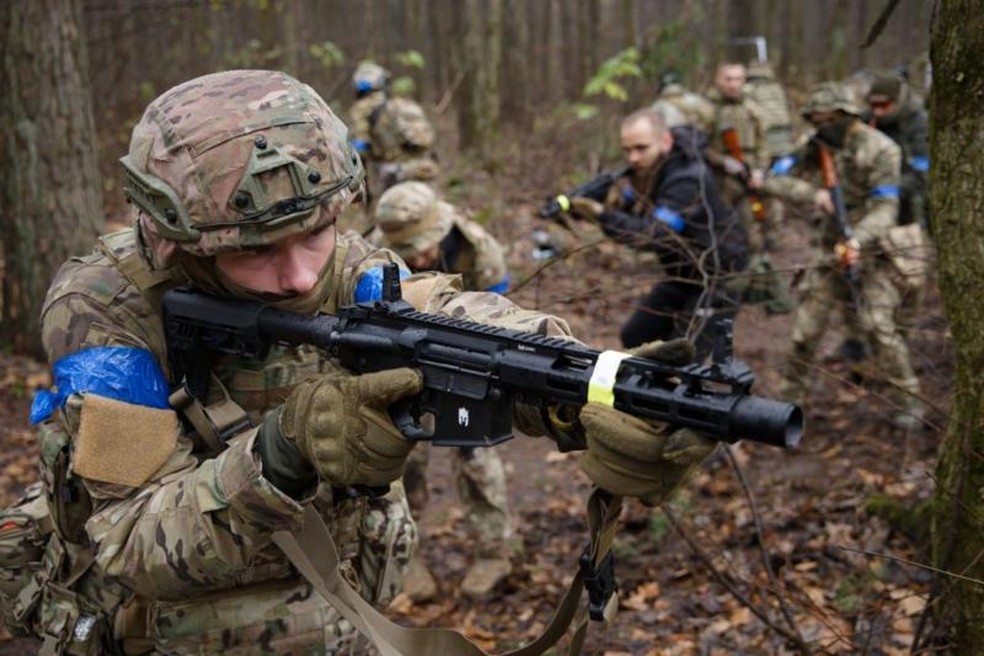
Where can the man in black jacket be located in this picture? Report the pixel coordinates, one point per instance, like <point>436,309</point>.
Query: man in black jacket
<point>669,203</point>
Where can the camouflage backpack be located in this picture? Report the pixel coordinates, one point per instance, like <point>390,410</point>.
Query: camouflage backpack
<point>400,125</point>
<point>776,119</point>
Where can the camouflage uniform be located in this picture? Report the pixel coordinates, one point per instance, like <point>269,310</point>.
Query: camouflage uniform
<point>392,133</point>
<point>694,109</point>
<point>160,544</point>
<point>411,219</point>
<point>868,165</point>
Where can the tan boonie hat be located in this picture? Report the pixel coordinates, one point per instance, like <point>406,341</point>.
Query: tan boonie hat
<point>412,219</point>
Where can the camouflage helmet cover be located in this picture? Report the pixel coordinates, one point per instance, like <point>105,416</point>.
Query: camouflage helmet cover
<point>369,77</point>
<point>830,97</point>
<point>412,219</point>
<point>239,159</point>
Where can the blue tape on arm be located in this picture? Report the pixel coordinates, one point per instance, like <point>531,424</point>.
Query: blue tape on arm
<point>363,85</point>
<point>370,285</point>
<point>123,373</point>
<point>885,191</point>
<point>360,145</point>
<point>920,164</point>
<point>628,194</point>
<point>670,218</point>
<point>783,165</point>
<point>499,287</point>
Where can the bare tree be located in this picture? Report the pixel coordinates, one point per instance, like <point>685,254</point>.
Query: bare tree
<point>51,197</point>
<point>957,147</point>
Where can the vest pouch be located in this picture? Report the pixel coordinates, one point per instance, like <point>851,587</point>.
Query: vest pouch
<point>25,529</point>
<point>69,625</point>
<point>68,499</point>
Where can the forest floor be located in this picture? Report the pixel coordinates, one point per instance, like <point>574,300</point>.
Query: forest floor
<point>765,552</point>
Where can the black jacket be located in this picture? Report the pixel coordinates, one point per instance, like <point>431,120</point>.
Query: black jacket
<point>682,218</point>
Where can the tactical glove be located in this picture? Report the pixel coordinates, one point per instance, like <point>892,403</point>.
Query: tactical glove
<point>339,422</point>
<point>586,208</point>
<point>634,457</point>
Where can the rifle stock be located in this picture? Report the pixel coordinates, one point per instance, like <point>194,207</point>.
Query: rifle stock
<point>474,373</point>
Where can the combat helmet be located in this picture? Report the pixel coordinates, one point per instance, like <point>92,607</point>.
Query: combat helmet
<point>239,159</point>
<point>830,97</point>
<point>369,77</point>
<point>412,219</point>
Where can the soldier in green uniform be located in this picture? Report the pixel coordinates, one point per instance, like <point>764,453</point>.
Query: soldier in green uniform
<point>432,235</point>
<point>739,173</point>
<point>679,106</point>
<point>165,510</point>
<point>868,166</point>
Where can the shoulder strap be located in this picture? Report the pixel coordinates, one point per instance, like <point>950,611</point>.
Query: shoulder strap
<point>312,551</point>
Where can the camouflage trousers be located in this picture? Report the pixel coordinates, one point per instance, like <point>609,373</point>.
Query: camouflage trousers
<point>480,480</point>
<point>825,289</point>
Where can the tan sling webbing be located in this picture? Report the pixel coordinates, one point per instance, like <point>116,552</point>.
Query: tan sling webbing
<point>213,423</point>
<point>313,553</point>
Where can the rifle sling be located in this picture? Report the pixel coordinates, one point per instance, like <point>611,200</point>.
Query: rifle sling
<point>313,553</point>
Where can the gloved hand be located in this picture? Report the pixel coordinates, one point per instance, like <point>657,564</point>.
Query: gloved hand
<point>586,208</point>
<point>848,253</point>
<point>340,424</point>
<point>633,457</point>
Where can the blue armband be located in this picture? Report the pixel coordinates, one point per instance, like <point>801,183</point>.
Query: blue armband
<point>370,285</point>
<point>499,287</point>
<point>363,86</point>
<point>885,191</point>
<point>360,146</point>
<point>920,164</point>
<point>670,218</point>
<point>783,165</point>
<point>123,373</point>
<point>628,194</point>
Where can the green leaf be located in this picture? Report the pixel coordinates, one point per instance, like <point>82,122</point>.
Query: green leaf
<point>403,86</point>
<point>410,59</point>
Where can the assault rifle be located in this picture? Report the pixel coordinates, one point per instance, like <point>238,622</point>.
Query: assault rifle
<point>473,373</point>
<point>828,172</point>
<point>596,189</point>
<point>729,137</point>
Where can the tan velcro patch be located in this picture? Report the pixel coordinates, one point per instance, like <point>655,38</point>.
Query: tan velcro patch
<point>121,442</point>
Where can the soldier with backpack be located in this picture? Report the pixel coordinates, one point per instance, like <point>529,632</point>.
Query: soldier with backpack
<point>392,133</point>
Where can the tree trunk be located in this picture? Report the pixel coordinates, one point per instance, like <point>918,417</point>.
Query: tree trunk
<point>957,190</point>
<point>478,113</point>
<point>52,200</point>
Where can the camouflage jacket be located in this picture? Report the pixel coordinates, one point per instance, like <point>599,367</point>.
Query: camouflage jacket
<point>470,251</point>
<point>200,525</point>
<point>868,169</point>
<point>696,109</point>
<point>747,119</point>
<point>360,124</point>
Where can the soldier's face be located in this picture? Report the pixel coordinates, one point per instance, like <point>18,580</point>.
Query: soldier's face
<point>644,145</point>
<point>880,106</point>
<point>730,80</point>
<point>290,267</point>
